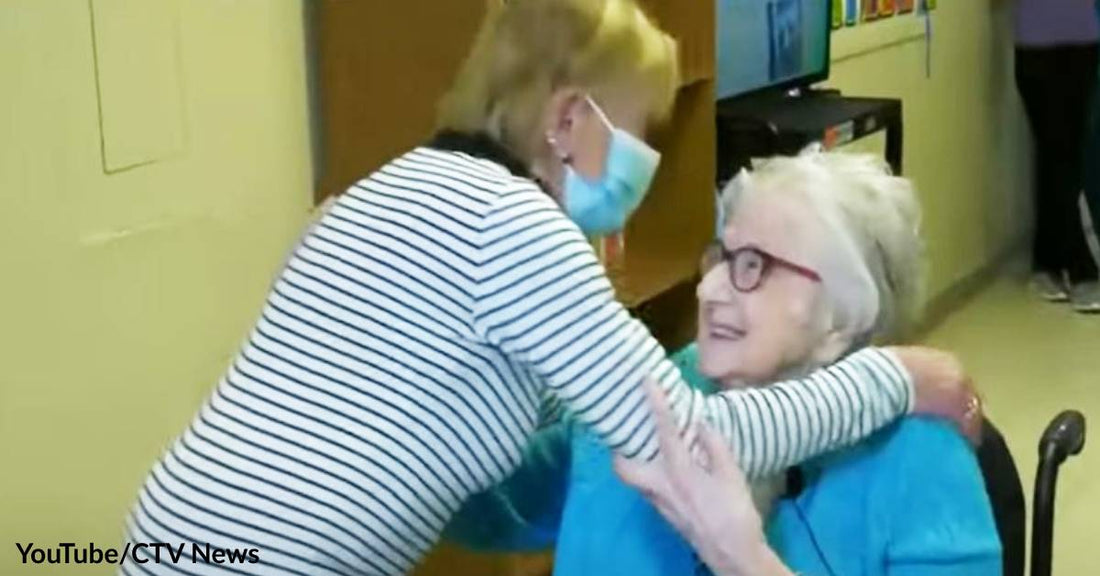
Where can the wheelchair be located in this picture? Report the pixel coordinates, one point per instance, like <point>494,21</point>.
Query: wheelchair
<point>1064,437</point>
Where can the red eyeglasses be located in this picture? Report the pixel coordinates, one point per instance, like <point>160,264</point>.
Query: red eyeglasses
<point>750,265</point>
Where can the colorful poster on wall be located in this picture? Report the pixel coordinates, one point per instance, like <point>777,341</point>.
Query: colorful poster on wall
<point>886,8</point>
<point>905,6</point>
<point>838,14</point>
<point>851,12</point>
<point>870,10</point>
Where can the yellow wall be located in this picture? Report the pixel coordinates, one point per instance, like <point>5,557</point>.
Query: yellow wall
<point>122,296</point>
<point>965,135</point>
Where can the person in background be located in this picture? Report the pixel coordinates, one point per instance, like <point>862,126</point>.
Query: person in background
<point>1092,154</point>
<point>820,255</point>
<point>1056,73</point>
<point>448,305</point>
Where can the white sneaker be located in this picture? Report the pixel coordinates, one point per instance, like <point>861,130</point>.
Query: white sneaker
<point>1085,297</point>
<point>1049,289</point>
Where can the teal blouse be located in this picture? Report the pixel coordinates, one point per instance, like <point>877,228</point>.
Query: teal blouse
<point>909,500</point>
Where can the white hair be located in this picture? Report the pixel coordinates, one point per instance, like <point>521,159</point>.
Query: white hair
<point>873,274</point>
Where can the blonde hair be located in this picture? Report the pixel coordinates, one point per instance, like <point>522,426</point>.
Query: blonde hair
<point>526,49</point>
<point>872,215</point>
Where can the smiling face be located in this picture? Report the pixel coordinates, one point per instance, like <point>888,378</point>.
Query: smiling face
<point>782,326</point>
<point>835,243</point>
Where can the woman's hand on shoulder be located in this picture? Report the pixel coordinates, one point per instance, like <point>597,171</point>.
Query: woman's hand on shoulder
<point>709,504</point>
<point>942,388</point>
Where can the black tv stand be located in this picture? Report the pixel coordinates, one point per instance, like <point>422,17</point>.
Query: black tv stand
<point>772,123</point>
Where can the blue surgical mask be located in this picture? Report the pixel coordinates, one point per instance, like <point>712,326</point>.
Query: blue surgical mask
<point>603,206</point>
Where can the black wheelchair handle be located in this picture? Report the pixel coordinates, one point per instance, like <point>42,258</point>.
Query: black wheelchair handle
<point>1064,437</point>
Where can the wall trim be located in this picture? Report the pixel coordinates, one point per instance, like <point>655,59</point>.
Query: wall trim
<point>961,292</point>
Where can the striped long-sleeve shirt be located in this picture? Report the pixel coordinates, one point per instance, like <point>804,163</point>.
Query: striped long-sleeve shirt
<point>417,337</point>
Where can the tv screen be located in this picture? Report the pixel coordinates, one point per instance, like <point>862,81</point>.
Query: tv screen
<point>771,44</point>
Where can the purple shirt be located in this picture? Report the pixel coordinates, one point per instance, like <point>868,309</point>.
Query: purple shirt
<point>1055,22</point>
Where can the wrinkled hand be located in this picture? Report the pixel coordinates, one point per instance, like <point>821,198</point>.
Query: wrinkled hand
<point>709,504</point>
<point>943,388</point>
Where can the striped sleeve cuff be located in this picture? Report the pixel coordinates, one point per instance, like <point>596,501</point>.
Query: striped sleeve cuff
<point>888,369</point>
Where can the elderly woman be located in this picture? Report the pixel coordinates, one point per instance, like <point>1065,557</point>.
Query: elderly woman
<point>449,304</point>
<point>820,255</point>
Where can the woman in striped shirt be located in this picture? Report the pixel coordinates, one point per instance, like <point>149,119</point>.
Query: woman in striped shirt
<point>448,305</point>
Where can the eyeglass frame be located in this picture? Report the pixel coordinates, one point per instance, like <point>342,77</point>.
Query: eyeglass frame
<point>769,262</point>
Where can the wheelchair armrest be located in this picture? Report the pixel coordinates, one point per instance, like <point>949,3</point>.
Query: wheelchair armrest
<point>1064,437</point>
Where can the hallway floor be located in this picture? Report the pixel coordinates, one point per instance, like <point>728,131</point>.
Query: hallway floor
<point>1031,360</point>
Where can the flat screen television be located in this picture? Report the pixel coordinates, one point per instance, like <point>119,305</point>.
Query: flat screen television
<point>771,45</point>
